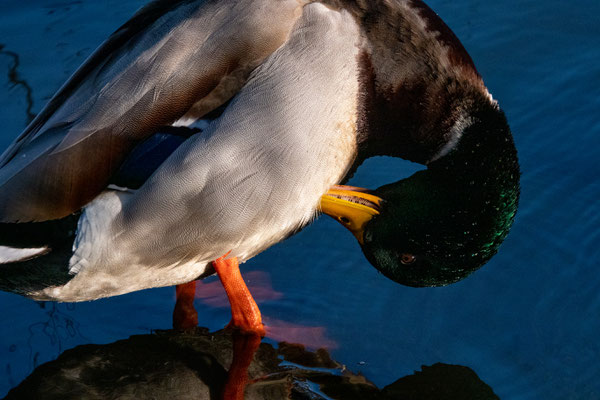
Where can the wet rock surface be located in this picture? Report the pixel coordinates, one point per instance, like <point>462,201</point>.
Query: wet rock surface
<point>194,365</point>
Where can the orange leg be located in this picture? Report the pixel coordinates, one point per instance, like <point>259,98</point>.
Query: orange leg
<point>244,347</point>
<point>245,314</point>
<point>185,315</point>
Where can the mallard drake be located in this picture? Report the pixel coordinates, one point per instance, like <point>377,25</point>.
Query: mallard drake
<point>441,224</point>
<point>301,91</point>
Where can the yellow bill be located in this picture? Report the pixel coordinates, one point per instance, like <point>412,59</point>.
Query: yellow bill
<point>352,206</point>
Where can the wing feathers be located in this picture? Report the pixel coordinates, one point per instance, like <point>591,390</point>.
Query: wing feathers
<point>171,59</point>
<point>97,61</point>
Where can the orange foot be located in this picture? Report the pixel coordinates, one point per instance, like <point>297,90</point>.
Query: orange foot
<point>245,315</point>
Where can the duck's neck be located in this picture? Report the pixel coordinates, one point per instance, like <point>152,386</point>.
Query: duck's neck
<point>468,197</point>
<point>481,157</point>
<point>415,123</point>
<point>475,186</point>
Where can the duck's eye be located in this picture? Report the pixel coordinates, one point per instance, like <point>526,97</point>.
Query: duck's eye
<point>407,258</point>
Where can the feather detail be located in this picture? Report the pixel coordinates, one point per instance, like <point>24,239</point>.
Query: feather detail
<point>12,254</point>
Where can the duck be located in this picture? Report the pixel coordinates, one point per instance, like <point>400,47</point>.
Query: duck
<point>201,133</point>
<point>441,224</point>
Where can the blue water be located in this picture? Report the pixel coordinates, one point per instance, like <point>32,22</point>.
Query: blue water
<point>527,323</point>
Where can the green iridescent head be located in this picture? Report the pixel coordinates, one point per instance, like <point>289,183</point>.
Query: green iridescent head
<point>441,224</point>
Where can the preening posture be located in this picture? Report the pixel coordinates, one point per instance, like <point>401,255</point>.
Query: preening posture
<point>209,129</point>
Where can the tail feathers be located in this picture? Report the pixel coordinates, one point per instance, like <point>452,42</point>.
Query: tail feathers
<point>38,234</point>
<point>42,270</point>
<point>34,256</point>
<point>15,254</point>
<point>24,241</point>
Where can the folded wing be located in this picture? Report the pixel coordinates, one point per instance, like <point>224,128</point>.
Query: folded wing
<point>172,61</point>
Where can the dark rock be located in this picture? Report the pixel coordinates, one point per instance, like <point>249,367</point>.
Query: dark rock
<point>440,382</point>
<point>193,365</point>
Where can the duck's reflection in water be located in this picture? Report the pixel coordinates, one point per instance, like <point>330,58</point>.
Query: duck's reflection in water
<point>194,365</point>
<point>211,294</point>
